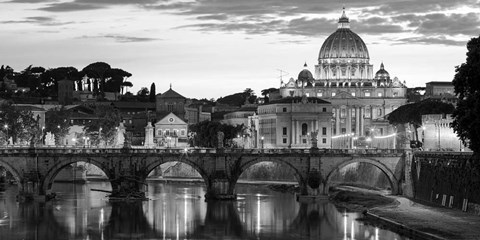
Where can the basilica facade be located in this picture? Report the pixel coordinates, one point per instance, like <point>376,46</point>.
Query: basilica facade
<point>359,97</point>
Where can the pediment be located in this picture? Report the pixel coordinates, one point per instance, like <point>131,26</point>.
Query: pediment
<point>170,119</point>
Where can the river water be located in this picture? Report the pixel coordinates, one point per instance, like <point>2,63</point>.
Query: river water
<point>178,211</point>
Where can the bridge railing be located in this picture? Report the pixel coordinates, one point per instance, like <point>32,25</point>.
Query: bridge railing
<point>144,150</point>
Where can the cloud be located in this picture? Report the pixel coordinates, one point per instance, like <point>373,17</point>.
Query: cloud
<point>70,7</point>
<point>213,17</point>
<point>431,40</point>
<point>39,20</point>
<point>124,39</point>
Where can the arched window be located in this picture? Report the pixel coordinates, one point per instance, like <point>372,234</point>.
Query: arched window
<point>304,129</point>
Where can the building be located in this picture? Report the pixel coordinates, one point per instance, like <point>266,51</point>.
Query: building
<point>171,132</point>
<point>344,77</point>
<point>441,91</point>
<point>436,134</point>
<point>171,102</point>
<point>293,122</point>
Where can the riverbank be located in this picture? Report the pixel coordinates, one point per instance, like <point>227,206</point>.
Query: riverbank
<point>408,217</point>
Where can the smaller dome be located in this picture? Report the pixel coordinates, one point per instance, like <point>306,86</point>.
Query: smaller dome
<point>305,76</point>
<point>382,74</point>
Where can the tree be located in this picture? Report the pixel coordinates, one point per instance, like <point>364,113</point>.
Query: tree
<point>467,88</point>
<point>108,79</point>
<point>20,125</point>
<point>104,129</point>
<point>205,133</point>
<point>238,99</point>
<point>143,95</point>
<point>153,93</point>
<point>57,122</point>
<point>266,93</point>
<point>49,79</point>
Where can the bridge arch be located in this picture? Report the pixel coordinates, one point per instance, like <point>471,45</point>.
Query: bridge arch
<point>184,159</point>
<point>16,175</point>
<point>244,165</point>
<point>47,182</point>
<point>390,176</point>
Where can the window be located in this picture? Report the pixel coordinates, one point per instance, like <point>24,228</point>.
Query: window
<point>380,94</point>
<point>324,131</point>
<point>343,112</point>
<point>344,130</point>
<point>395,94</point>
<point>379,112</point>
<point>307,94</point>
<point>284,131</point>
<point>304,129</point>
<point>175,132</point>
<point>170,107</point>
<point>353,94</point>
<point>320,94</point>
<point>284,109</point>
<point>167,132</point>
<point>333,94</point>
<point>304,140</point>
<point>182,132</point>
<point>284,140</point>
<point>367,94</point>
<point>324,109</point>
<point>159,133</point>
<point>324,140</point>
<point>367,112</point>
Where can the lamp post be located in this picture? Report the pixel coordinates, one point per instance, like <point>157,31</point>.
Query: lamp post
<point>99,136</point>
<point>74,141</point>
<point>6,128</point>
<point>291,118</point>
<point>262,141</point>
<point>43,136</point>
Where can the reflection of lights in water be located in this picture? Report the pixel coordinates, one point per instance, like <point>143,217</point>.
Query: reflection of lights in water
<point>164,218</point>
<point>100,223</point>
<point>352,234</point>
<point>258,215</point>
<point>345,225</point>
<point>185,215</point>
<point>176,223</point>
<point>376,233</point>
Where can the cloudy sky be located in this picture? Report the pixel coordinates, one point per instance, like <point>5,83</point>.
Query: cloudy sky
<point>212,48</point>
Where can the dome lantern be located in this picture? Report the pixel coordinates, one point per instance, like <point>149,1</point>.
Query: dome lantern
<point>343,21</point>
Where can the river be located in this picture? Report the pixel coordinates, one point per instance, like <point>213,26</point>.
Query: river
<point>178,211</point>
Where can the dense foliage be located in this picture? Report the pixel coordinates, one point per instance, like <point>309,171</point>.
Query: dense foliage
<point>204,134</point>
<point>103,130</point>
<point>238,99</point>
<point>98,77</point>
<point>19,125</point>
<point>58,123</point>
<point>467,88</point>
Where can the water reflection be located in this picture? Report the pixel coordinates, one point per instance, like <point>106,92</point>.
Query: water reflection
<point>178,212</point>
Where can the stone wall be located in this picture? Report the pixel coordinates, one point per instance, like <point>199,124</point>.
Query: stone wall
<point>447,179</point>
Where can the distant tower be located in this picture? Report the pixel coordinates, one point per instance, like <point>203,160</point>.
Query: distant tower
<point>65,92</point>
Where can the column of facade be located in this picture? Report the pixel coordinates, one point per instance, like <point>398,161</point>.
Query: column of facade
<point>299,130</point>
<point>294,132</point>
<point>362,121</point>
<point>349,120</point>
<point>337,121</point>
<point>357,121</point>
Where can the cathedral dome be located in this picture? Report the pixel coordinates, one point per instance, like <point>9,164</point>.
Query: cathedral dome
<point>343,44</point>
<point>382,73</point>
<point>305,76</point>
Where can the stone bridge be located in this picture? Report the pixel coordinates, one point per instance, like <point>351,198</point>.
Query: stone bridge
<point>127,168</point>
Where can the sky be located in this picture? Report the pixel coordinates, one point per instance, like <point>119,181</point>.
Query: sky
<point>213,48</point>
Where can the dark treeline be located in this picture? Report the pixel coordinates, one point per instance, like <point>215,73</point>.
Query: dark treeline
<point>98,77</point>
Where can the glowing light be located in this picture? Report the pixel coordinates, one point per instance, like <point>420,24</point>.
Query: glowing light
<point>369,139</point>
<point>345,226</point>
<point>387,136</point>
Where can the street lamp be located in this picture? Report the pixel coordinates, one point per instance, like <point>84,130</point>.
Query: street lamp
<point>6,128</point>
<point>262,141</point>
<point>74,140</point>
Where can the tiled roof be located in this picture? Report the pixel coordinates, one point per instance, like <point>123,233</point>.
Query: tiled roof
<point>171,94</point>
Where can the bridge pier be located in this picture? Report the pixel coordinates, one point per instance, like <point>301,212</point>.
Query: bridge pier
<point>127,188</point>
<point>312,187</point>
<point>220,189</point>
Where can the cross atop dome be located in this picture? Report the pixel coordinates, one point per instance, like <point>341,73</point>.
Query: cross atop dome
<point>343,21</point>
